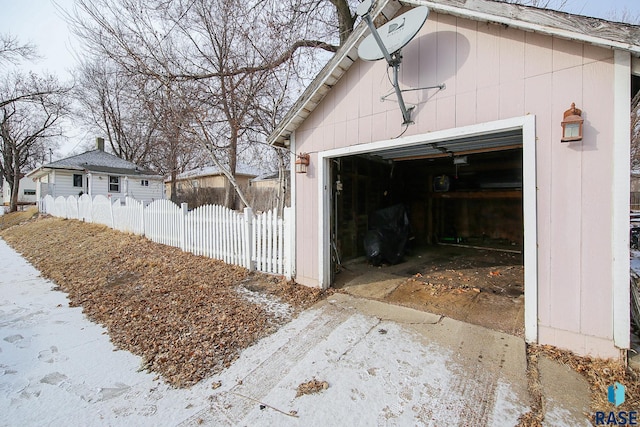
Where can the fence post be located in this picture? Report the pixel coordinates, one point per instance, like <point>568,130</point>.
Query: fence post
<point>248,234</point>
<point>111,213</point>
<point>288,244</point>
<point>142,221</point>
<point>183,226</point>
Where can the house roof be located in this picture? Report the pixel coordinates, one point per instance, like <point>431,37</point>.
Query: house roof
<point>266,176</point>
<point>95,161</point>
<point>241,169</point>
<point>599,32</point>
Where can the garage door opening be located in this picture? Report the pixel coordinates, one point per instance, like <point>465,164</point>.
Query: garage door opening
<point>464,252</point>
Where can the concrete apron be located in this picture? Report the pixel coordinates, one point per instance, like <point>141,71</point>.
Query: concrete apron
<point>389,365</point>
<point>385,364</point>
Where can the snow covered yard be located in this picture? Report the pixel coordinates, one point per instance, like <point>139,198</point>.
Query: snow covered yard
<point>58,368</point>
<point>183,314</point>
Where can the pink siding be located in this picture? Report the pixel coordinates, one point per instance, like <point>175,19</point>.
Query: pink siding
<point>492,73</point>
<point>596,273</point>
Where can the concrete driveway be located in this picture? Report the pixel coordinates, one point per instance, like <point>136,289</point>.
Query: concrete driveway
<point>384,365</point>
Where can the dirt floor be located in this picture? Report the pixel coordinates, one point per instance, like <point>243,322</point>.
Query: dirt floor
<point>483,287</point>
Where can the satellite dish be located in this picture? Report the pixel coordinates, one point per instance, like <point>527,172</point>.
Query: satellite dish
<point>394,35</point>
<point>364,7</point>
<point>387,42</point>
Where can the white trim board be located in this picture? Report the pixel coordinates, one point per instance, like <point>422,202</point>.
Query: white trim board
<point>621,202</point>
<point>528,126</point>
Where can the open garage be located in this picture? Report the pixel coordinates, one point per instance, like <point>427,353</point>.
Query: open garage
<point>451,215</point>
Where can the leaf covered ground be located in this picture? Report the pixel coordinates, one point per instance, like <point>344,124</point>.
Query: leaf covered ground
<point>187,316</point>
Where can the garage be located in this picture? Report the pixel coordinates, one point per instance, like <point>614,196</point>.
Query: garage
<point>457,249</point>
<point>470,201</point>
<point>492,157</point>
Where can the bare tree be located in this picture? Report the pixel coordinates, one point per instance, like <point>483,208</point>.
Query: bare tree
<point>173,148</point>
<point>12,51</point>
<point>112,103</point>
<point>542,4</point>
<point>635,133</point>
<point>229,49</point>
<point>26,124</point>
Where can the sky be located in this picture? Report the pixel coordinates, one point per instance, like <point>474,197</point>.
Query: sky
<point>41,23</point>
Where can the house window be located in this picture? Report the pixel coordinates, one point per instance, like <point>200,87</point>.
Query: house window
<point>114,184</point>
<point>144,182</point>
<point>77,180</point>
<point>194,184</point>
<point>29,192</point>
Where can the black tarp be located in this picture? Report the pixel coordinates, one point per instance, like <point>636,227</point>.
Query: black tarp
<point>387,237</point>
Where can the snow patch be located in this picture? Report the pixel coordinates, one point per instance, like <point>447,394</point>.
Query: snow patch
<point>272,305</point>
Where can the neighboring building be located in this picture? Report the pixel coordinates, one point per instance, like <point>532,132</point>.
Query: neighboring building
<point>26,192</point>
<point>97,172</point>
<point>270,181</point>
<point>208,177</point>
<point>510,73</point>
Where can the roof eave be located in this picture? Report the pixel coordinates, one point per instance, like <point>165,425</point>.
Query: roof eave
<point>566,33</point>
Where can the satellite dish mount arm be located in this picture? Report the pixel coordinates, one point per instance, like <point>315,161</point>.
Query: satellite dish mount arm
<point>393,59</point>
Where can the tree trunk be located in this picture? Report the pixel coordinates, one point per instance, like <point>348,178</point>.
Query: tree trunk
<point>15,189</point>
<point>345,19</point>
<point>229,190</point>
<point>174,186</point>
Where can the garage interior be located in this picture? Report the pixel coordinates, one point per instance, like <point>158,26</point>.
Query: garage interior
<point>463,256</point>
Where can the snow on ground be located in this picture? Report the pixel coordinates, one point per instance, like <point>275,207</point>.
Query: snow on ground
<point>57,368</point>
<point>281,310</point>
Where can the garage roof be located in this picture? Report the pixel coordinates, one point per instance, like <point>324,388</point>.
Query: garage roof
<point>595,31</point>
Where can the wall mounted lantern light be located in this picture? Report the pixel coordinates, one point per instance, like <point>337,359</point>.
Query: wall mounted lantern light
<point>572,124</point>
<point>302,162</point>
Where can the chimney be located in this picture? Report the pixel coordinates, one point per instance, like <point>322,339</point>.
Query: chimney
<point>100,143</point>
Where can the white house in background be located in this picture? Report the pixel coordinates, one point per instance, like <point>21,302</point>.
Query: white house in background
<point>26,192</point>
<point>96,172</point>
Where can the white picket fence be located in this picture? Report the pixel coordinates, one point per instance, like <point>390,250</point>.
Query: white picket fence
<point>257,242</point>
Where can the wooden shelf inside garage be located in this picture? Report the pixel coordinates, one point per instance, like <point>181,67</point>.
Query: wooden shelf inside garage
<point>492,194</point>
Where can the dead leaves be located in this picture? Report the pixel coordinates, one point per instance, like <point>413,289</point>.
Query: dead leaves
<point>180,312</point>
<point>600,373</point>
<point>311,387</point>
